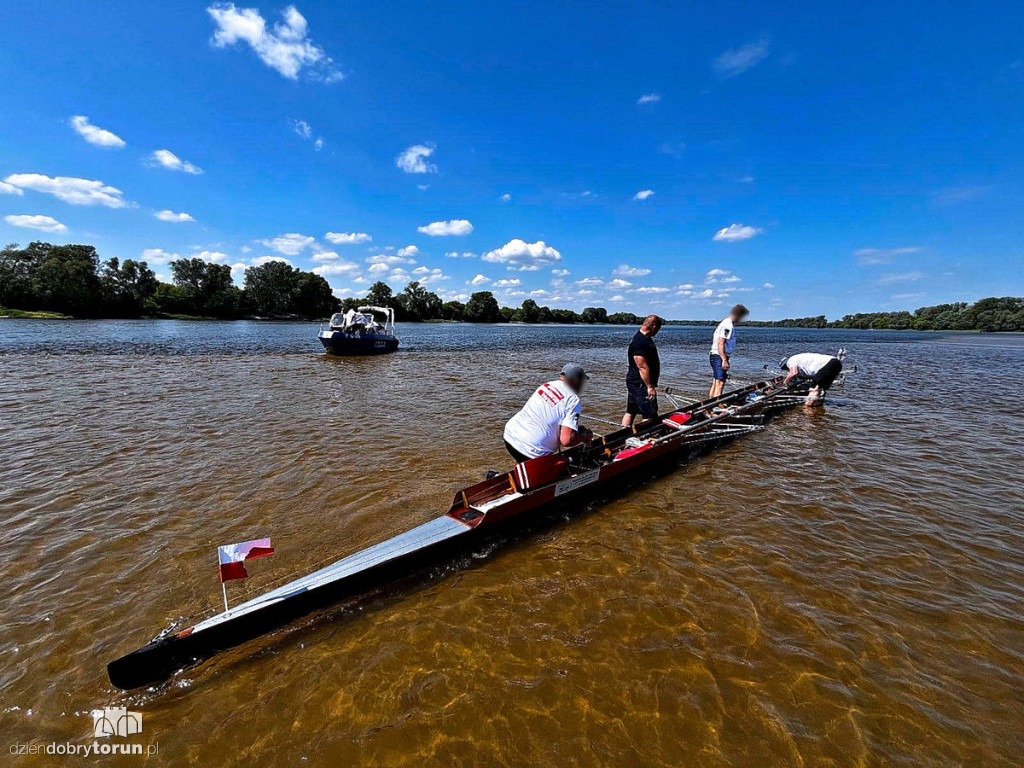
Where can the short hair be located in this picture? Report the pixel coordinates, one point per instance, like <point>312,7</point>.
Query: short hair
<point>740,310</point>
<point>652,321</point>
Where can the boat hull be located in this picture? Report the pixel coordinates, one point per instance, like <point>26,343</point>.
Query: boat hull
<point>350,345</point>
<point>493,513</point>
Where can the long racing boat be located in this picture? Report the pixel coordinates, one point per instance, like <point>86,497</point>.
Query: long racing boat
<point>478,514</point>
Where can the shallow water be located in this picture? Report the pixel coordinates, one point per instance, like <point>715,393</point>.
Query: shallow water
<point>845,588</point>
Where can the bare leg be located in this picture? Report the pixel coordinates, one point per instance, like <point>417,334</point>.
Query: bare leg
<point>627,420</point>
<point>716,388</point>
<point>815,397</point>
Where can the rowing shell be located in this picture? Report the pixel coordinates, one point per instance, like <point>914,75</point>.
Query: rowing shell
<point>477,513</point>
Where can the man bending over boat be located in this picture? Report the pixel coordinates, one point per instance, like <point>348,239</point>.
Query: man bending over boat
<point>822,370</point>
<point>643,372</point>
<point>550,419</point>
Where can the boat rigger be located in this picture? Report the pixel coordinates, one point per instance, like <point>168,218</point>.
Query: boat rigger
<point>478,513</point>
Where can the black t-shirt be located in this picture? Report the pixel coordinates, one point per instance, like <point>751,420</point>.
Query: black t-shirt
<point>643,346</point>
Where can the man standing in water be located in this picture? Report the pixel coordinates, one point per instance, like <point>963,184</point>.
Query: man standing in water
<point>723,343</point>
<point>643,373</point>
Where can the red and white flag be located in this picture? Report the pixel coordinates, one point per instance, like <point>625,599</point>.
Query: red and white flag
<point>232,557</point>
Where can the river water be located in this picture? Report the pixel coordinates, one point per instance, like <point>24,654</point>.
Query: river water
<point>845,588</point>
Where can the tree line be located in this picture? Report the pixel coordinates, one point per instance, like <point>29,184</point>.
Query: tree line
<point>72,280</point>
<point>415,304</point>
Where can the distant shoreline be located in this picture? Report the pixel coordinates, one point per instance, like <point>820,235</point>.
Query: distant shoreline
<point>17,314</point>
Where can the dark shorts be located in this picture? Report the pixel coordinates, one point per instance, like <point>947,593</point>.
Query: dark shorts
<point>827,374</point>
<point>638,402</point>
<point>716,368</point>
<point>519,457</point>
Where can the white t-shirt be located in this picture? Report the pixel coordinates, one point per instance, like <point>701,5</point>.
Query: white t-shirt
<point>727,332</point>
<point>808,363</point>
<point>535,430</point>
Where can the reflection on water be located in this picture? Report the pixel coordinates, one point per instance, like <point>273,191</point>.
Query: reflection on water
<point>844,588</point>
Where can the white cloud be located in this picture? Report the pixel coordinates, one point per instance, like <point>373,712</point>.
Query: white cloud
<point>422,187</point>
<point>769,285</point>
<point>955,195</point>
<point>393,259</point>
<point>167,159</point>
<point>211,256</point>
<point>348,238</point>
<point>290,244</point>
<point>505,197</point>
<point>674,148</point>
<point>685,287</point>
<point>379,267</point>
<point>428,275</point>
<point>505,282</point>
<point>94,135</point>
<point>414,159</point>
<point>590,281</point>
<point>167,215</point>
<point>717,273</point>
<point>624,270</point>
<point>870,256</point>
<point>731,279</point>
<point>286,48</point>
<point>442,228</point>
<point>71,190</point>
<point>643,194</point>
<point>907,296</point>
<point>618,282</point>
<point>9,189</point>
<point>560,272</point>
<point>304,129</point>
<point>479,280</point>
<point>526,256</point>
<point>736,232</point>
<point>463,255</point>
<point>260,260</point>
<point>318,144</point>
<point>158,256</point>
<point>900,277</point>
<point>651,289</point>
<point>326,256</point>
<point>408,252</point>
<point>736,61</point>
<point>42,223</point>
<point>649,98</point>
<point>335,268</point>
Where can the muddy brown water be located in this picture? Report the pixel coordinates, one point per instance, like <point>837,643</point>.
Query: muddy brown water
<point>845,588</point>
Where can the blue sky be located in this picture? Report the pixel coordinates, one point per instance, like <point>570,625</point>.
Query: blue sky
<point>802,158</point>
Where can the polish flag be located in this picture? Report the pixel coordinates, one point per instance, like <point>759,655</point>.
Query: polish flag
<point>233,556</point>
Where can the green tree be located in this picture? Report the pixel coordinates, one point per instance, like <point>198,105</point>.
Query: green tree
<point>529,312</point>
<point>380,295</point>
<point>453,310</point>
<point>129,287</point>
<point>207,288</point>
<point>482,307</point>
<point>417,303</point>
<point>594,315</point>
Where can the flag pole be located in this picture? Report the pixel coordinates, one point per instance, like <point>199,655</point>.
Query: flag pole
<point>225,591</point>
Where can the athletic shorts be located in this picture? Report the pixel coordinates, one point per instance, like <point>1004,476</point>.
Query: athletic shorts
<point>827,374</point>
<point>515,454</point>
<point>639,402</point>
<point>716,368</point>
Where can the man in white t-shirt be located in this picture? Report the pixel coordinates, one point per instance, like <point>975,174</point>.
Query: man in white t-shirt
<point>723,343</point>
<point>550,419</point>
<point>822,370</point>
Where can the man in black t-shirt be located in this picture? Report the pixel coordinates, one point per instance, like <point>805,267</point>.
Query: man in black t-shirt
<point>644,372</point>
